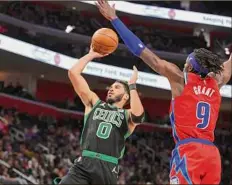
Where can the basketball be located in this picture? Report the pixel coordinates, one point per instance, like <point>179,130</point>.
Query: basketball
<point>104,41</point>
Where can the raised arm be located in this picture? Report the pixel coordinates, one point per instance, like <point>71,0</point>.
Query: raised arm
<point>88,97</point>
<point>136,111</point>
<point>135,45</point>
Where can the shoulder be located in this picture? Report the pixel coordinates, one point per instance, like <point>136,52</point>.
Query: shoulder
<point>127,113</point>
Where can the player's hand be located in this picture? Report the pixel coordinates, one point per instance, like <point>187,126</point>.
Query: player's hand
<point>134,76</point>
<point>95,54</point>
<point>106,10</point>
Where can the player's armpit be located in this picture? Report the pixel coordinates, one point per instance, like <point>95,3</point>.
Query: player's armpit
<point>88,97</point>
<point>131,125</point>
<point>164,68</point>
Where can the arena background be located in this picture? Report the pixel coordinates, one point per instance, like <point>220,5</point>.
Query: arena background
<point>40,115</point>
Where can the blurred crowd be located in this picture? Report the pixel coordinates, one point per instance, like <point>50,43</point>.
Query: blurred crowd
<point>16,90</point>
<point>87,24</point>
<point>42,148</point>
<point>19,91</point>
<point>74,104</point>
<point>47,147</point>
<point>38,146</point>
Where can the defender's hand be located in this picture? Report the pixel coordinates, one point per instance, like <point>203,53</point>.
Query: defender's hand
<point>134,76</point>
<point>106,10</point>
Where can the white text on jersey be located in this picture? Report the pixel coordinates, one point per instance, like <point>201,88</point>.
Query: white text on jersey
<point>110,116</point>
<point>203,90</point>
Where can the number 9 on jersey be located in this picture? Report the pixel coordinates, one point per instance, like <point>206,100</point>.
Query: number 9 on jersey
<point>203,114</point>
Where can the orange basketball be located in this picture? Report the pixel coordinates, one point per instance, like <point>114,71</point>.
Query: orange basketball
<point>104,41</point>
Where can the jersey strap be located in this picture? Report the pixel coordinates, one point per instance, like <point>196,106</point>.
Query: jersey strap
<point>102,157</point>
<point>185,77</point>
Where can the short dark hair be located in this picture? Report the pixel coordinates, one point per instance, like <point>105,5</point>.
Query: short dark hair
<point>208,60</point>
<point>126,87</point>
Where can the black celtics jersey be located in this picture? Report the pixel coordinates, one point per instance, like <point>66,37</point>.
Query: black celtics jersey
<point>105,130</point>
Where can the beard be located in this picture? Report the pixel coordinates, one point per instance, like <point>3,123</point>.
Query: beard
<point>115,99</point>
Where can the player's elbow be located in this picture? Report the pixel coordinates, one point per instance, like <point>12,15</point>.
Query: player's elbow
<point>151,59</point>
<point>73,75</point>
<point>159,66</point>
<point>70,73</point>
<point>75,79</point>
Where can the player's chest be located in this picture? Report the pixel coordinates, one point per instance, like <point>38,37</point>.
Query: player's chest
<point>114,117</point>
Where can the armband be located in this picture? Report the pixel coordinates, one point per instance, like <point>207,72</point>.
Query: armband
<point>134,44</point>
<point>138,119</point>
<point>132,87</point>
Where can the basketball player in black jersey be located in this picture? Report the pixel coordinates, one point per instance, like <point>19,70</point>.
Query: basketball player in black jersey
<point>106,127</point>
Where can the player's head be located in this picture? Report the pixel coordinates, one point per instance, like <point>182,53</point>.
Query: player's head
<point>202,62</point>
<point>118,92</point>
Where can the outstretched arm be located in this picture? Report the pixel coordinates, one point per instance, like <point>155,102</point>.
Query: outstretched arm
<point>135,45</point>
<point>80,85</point>
<point>164,68</point>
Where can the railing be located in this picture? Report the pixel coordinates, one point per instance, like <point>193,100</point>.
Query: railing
<point>171,14</point>
<point>146,150</point>
<point>93,68</point>
<point>4,163</point>
<point>75,37</point>
<point>36,108</point>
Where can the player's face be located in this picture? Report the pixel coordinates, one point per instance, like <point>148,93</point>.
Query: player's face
<point>115,93</point>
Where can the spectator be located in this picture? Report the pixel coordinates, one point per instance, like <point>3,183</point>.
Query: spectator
<point>52,152</point>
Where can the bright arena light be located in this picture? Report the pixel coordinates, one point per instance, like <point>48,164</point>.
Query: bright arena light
<point>69,28</point>
<point>227,52</point>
